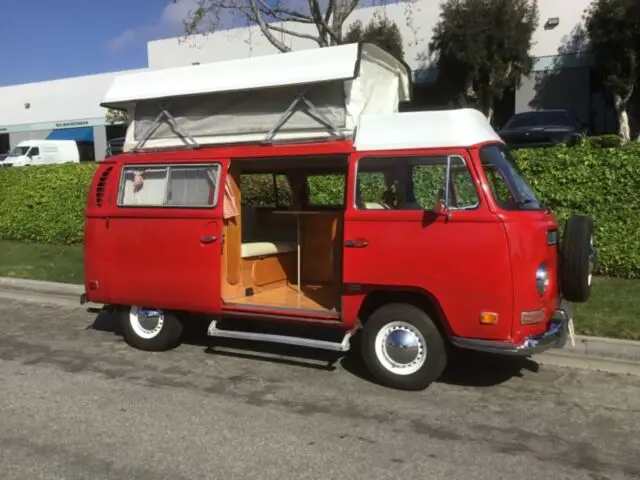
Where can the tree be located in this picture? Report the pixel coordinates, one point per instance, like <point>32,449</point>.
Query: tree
<point>381,31</point>
<point>482,48</point>
<point>117,117</point>
<point>319,21</point>
<point>613,27</point>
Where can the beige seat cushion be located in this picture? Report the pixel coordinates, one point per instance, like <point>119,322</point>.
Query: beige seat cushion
<point>260,249</point>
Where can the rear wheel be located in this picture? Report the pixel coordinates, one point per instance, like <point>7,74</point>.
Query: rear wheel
<point>150,329</point>
<point>578,259</point>
<point>403,348</point>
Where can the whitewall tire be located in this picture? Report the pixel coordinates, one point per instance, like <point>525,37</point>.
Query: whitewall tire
<point>402,347</point>
<point>150,329</point>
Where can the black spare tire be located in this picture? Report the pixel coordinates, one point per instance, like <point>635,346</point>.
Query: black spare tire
<point>577,259</point>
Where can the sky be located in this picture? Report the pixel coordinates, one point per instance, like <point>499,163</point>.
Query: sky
<point>50,39</point>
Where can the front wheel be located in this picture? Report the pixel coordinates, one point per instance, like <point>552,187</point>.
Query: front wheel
<point>403,348</point>
<point>150,329</point>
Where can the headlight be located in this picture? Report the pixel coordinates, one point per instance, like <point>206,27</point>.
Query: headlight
<point>542,279</point>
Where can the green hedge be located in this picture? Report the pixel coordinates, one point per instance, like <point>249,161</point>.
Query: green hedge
<point>45,204</point>
<point>603,183</point>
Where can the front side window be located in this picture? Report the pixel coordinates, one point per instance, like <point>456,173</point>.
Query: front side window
<point>509,188</point>
<point>413,183</point>
<point>169,186</point>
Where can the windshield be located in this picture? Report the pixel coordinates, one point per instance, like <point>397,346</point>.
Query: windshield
<point>538,119</point>
<point>510,190</point>
<point>19,151</point>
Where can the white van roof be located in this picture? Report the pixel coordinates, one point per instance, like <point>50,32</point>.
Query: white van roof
<point>460,127</point>
<point>301,67</point>
<point>306,95</point>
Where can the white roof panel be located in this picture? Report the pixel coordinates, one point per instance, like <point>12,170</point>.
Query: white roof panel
<point>425,129</point>
<point>292,68</point>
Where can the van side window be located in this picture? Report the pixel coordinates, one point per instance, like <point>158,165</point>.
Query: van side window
<point>413,183</point>
<point>326,190</point>
<point>170,186</point>
<point>34,152</point>
<point>265,190</point>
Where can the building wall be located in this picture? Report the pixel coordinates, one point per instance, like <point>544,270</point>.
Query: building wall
<point>100,142</point>
<point>416,20</point>
<point>31,111</point>
<point>566,88</point>
<point>68,100</point>
<point>16,137</point>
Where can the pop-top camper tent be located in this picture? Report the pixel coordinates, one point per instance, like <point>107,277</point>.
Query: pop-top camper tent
<point>305,95</point>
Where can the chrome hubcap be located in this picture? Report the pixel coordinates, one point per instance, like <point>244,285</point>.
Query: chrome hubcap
<point>401,348</point>
<point>146,322</point>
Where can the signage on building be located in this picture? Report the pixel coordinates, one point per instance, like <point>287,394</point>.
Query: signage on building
<point>82,123</point>
<point>35,127</point>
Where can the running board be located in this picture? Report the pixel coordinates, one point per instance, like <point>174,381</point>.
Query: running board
<point>214,331</point>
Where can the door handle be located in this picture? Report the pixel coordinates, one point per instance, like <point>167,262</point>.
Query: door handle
<point>360,243</point>
<point>209,239</point>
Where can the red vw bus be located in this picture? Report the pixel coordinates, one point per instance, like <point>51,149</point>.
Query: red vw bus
<point>290,191</point>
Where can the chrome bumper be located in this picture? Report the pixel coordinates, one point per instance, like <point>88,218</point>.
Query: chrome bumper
<point>555,337</point>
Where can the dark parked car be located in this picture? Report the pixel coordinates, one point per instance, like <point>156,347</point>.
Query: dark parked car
<point>542,128</point>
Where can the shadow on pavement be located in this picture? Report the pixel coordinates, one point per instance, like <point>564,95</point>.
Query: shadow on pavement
<point>465,368</point>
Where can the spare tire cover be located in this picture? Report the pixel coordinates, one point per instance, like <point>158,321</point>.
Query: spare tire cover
<point>577,258</point>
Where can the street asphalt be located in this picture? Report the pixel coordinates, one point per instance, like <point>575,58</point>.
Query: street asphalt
<point>77,403</point>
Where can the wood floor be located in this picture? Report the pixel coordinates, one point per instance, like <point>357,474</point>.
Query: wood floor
<point>311,297</point>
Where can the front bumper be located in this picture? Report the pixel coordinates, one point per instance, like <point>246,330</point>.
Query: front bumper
<point>555,337</point>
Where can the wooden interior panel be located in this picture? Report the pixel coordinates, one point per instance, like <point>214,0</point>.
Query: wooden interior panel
<point>268,272</point>
<point>312,297</point>
<point>233,233</point>
<point>266,218</point>
<point>276,268</point>
<point>319,247</point>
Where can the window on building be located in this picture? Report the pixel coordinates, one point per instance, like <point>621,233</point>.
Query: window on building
<point>413,183</point>
<point>170,186</point>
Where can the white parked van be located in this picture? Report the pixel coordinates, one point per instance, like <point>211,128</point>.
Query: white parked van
<point>42,152</point>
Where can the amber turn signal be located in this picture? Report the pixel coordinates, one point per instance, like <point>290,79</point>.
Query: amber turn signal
<point>488,318</point>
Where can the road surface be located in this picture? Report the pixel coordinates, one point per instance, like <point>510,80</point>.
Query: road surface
<point>77,403</point>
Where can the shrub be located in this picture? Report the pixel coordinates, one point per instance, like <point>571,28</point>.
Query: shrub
<point>44,204</point>
<point>600,182</point>
<point>604,141</point>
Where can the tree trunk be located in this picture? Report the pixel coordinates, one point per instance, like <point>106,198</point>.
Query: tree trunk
<point>624,129</point>
<point>489,114</point>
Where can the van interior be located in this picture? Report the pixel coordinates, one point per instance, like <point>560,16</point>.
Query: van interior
<point>282,245</point>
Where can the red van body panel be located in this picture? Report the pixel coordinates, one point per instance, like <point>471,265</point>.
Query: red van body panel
<point>159,257</point>
<point>461,263</point>
<point>97,262</point>
<point>480,260</point>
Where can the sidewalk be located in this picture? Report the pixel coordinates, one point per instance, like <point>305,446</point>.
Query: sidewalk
<point>607,354</point>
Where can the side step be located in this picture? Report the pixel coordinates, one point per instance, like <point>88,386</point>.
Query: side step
<point>214,331</point>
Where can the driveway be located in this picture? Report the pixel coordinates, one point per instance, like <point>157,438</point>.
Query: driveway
<point>77,403</point>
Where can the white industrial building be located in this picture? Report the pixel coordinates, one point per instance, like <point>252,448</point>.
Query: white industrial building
<point>69,108</point>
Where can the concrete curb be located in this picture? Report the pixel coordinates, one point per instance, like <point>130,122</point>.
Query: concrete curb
<point>42,287</point>
<point>590,350</point>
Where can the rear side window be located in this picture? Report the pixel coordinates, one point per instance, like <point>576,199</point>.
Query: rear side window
<point>169,186</point>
